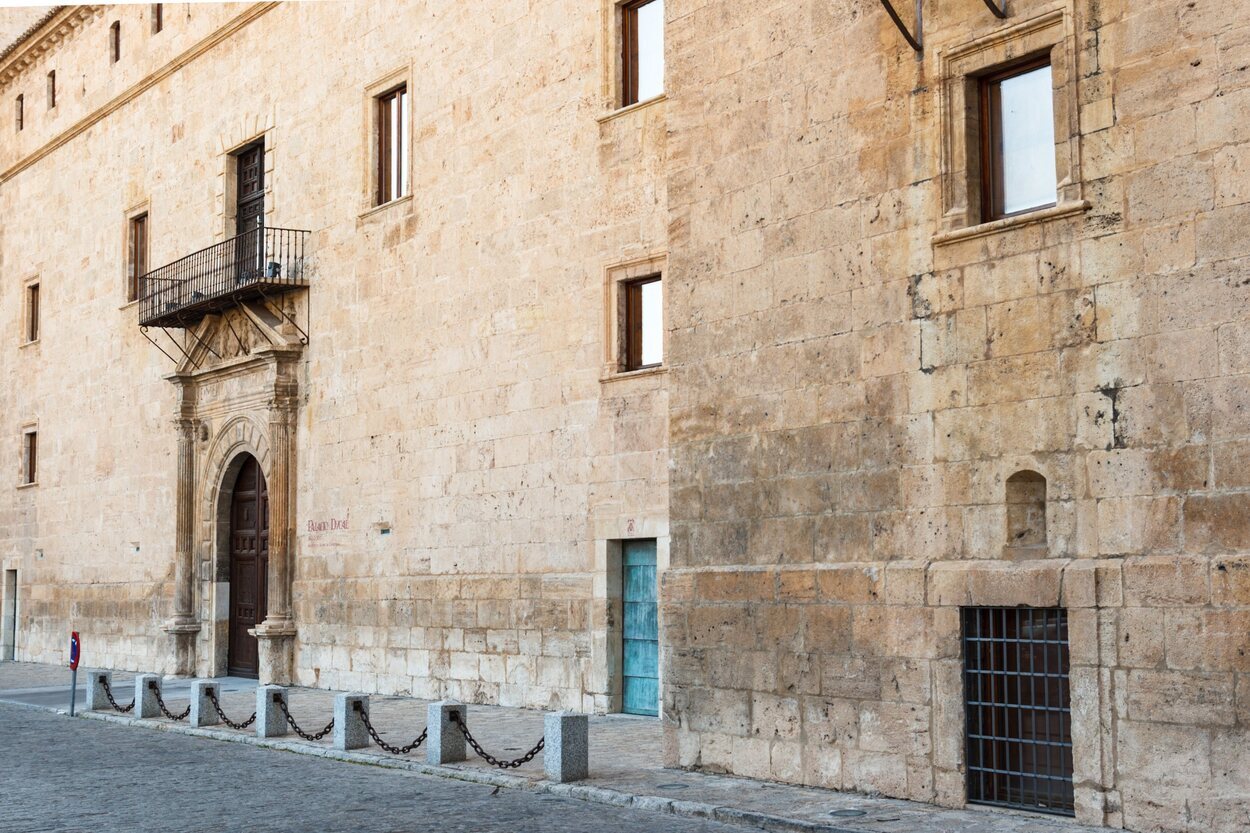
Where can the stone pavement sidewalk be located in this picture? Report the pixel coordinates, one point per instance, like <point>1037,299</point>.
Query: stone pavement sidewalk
<point>625,761</point>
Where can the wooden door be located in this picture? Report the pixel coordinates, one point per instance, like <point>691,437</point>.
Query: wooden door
<point>250,211</point>
<point>641,634</point>
<point>249,567</point>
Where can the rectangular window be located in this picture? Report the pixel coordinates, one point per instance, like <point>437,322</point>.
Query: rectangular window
<point>115,41</point>
<point>51,89</point>
<point>158,17</point>
<point>32,312</point>
<point>30,457</point>
<point>21,112</point>
<point>392,145</point>
<point>642,50</point>
<point>644,324</point>
<point>1018,140</point>
<point>1019,738</point>
<point>136,256</point>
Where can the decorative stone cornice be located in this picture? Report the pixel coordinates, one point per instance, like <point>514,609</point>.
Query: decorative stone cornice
<point>49,32</point>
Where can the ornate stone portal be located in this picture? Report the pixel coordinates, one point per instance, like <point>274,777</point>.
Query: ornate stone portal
<point>238,396</point>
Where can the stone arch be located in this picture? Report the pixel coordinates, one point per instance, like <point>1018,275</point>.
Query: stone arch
<point>239,438</point>
<point>1026,511</point>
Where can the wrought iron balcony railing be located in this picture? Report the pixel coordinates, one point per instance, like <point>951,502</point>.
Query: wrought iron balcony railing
<point>256,264</point>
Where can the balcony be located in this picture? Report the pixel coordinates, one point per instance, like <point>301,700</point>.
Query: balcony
<point>260,263</point>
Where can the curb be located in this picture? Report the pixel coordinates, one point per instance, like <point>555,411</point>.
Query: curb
<point>582,792</point>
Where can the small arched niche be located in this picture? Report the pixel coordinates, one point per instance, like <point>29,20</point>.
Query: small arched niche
<point>1026,512</point>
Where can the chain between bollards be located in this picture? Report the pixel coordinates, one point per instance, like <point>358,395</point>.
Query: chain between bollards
<point>491,759</point>
<point>212,698</point>
<point>155,689</point>
<point>386,747</point>
<point>108,692</point>
<point>277,698</point>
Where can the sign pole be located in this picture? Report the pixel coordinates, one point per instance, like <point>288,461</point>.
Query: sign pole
<point>75,648</point>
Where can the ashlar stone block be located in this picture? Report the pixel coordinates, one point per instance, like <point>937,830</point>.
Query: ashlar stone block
<point>349,724</point>
<point>445,743</point>
<point>147,689</point>
<point>96,696</point>
<point>270,721</point>
<point>566,746</point>
<point>202,711</point>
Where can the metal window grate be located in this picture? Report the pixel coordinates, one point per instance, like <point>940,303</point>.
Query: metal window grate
<point>1019,738</point>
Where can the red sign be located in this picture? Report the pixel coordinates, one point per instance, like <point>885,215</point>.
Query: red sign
<point>75,648</point>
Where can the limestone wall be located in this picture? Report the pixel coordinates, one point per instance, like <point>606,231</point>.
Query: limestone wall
<point>451,411</point>
<point>856,375</point>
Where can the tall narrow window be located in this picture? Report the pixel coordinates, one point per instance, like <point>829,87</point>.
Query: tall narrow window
<point>392,145</point>
<point>30,457</point>
<point>51,89</point>
<point>644,324</point>
<point>115,41</point>
<point>21,112</point>
<point>1018,140</point>
<point>158,17</point>
<point>32,312</point>
<point>642,50</point>
<point>136,256</point>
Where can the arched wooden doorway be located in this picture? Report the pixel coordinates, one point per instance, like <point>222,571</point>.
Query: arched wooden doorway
<point>249,566</point>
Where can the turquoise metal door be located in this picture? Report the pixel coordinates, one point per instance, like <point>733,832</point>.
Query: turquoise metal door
<point>641,668</point>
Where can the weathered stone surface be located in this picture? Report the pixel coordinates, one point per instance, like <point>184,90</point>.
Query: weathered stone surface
<point>856,369</point>
<point>445,743</point>
<point>566,748</point>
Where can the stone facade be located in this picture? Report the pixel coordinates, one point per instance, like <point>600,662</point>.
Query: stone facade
<point>457,452</point>
<point>858,367</point>
<point>875,409</point>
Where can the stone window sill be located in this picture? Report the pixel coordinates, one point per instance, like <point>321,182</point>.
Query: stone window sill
<point>619,375</point>
<point>129,304</point>
<point>632,108</point>
<point>378,209</point>
<point>32,343</point>
<point>1054,212</point>
<point>28,485</point>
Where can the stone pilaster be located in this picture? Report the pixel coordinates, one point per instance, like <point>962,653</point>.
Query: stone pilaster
<point>276,635</point>
<point>184,626</point>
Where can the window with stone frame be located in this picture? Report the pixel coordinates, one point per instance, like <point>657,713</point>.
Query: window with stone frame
<point>32,313</point>
<point>137,243</point>
<point>20,112</point>
<point>642,50</point>
<point>998,122</point>
<point>1017,146</point>
<point>392,144</point>
<point>115,42</point>
<point>51,89</point>
<point>633,317</point>
<point>643,331</point>
<point>30,457</point>
<point>158,17</point>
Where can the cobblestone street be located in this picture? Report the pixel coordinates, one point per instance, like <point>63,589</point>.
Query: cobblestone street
<point>55,755</point>
<point>87,775</point>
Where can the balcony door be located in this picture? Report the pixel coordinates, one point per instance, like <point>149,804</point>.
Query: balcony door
<point>249,211</point>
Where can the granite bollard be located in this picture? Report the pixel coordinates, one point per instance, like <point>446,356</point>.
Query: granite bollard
<point>96,696</point>
<point>444,743</point>
<point>202,711</point>
<point>349,725</point>
<point>566,747</point>
<point>270,721</point>
<point>147,687</point>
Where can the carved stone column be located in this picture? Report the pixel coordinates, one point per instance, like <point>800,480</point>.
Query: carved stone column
<point>184,625</point>
<point>276,635</point>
